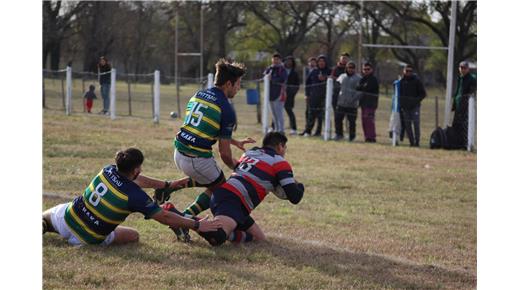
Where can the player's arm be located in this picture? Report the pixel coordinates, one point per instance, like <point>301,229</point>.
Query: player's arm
<point>294,192</point>
<point>174,220</point>
<point>150,182</point>
<point>240,144</point>
<point>224,148</point>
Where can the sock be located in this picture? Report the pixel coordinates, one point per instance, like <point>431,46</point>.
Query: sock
<point>240,237</point>
<point>199,205</point>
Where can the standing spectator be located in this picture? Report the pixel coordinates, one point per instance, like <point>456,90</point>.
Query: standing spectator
<point>89,97</point>
<point>411,93</point>
<point>277,77</point>
<point>315,89</point>
<point>466,86</point>
<point>369,87</point>
<point>348,102</point>
<point>104,69</point>
<point>339,69</point>
<point>293,85</point>
<point>312,64</point>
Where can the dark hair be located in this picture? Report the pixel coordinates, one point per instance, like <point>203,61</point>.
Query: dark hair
<point>290,57</point>
<point>228,71</point>
<point>368,64</point>
<point>408,66</point>
<point>272,139</point>
<point>311,59</point>
<point>91,87</point>
<point>129,159</point>
<point>351,64</point>
<point>276,54</point>
<point>346,54</point>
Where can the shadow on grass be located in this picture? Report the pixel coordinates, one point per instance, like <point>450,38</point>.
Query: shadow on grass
<point>349,266</point>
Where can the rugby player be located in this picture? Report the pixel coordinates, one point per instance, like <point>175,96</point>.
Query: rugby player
<point>114,193</point>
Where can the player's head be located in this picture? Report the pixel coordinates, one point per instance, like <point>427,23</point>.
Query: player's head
<point>103,60</point>
<point>351,67</point>
<point>276,141</point>
<point>92,87</point>
<point>129,162</point>
<point>227,76</point>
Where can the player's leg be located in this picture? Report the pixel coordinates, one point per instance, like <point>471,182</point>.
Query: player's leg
<point>122,235</point>
<point>246,231</point>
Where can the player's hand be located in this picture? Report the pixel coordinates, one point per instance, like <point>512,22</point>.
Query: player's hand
<point>206,225</point>
<point>180,183</point>
<point>240,144</point>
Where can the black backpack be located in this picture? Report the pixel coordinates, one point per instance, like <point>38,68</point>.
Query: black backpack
<point>446,138</point>
<point>438,138</point>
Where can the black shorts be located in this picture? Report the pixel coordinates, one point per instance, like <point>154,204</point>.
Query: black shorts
<point>226,203</point>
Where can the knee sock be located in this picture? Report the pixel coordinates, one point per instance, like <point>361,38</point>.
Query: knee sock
<point>240,237</point>
<point>199,205</point>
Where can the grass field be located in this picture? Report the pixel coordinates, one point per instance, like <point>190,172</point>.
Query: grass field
<point>373,216</point>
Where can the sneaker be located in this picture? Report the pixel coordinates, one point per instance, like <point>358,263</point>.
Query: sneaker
<point>338,138</point>
<point>293,132</point>
<point>317,134</point>
<point>306,135</point>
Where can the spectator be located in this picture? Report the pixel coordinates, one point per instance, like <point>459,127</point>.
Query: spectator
<point>293,85</point>
<point>89,97</point>
<point>104,69</point>
<point>348,102</point>
<point>411,93</point>
<point>466,87</point>
<point>277,77</point>
<point>312,64</point>
<point>315,89</point>
<point>339,69</point>
<point>369,87</point>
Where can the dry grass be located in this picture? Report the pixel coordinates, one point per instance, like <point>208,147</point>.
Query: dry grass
<point>373,216</point>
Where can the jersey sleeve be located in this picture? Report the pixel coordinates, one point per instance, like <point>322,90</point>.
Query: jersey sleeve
<point>227,121</point>
<point>141,202</point>
<point>283,173</point>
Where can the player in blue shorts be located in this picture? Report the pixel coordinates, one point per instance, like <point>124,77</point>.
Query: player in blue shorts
<point>259,171</point>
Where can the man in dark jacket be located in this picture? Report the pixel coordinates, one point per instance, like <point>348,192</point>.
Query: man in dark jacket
<point>411,93</point>
<point>466,87</point>
<point>369,88</point>
<point>278,77</point>
<point>104,72</point>
<point>293,85</point>
<point>315,90</point>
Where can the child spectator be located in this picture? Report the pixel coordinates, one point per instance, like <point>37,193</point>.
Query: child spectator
<point>89,98</point>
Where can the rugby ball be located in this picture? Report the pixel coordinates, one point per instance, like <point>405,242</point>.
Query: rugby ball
<point>279,192</point>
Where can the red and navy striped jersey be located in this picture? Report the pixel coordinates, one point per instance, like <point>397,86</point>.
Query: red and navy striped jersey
<point>260,171</point>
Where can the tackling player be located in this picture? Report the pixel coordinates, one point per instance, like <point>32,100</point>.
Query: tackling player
<point>260,171</point>
<point>95,216</point>
<point>209,118</point>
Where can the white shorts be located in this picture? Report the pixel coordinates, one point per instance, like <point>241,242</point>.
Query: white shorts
<point>59,224</point>
<point>203,170</point>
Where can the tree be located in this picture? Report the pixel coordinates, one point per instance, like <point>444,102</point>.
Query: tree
<point>57,27</point>
<point>287,23</point>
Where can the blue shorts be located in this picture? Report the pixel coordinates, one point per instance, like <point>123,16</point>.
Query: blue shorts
<point>225,202</point>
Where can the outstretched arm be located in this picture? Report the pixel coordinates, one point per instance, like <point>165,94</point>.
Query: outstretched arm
<point>150,182</point>
<point>224,148</point>
<point>174,220</point>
